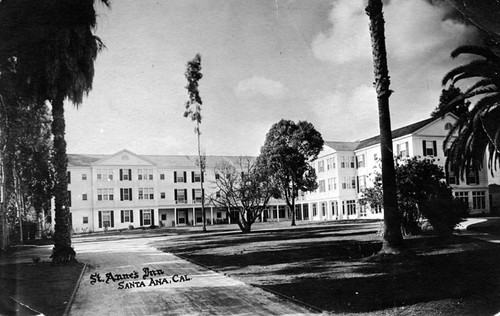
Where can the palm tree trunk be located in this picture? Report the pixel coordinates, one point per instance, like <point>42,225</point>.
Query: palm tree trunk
<point>393,240</point>
<point>62,252</point>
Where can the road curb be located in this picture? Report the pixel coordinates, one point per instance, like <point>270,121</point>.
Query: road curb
<point>72,297</point>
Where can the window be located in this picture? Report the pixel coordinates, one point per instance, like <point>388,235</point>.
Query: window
<point>321,166</point>
<point>329,163</point>
<point>197,195</point>
<point>361,183</point>
<point>323,208</point>
<point>463,196</point>
<point>219,214</point>
<point>217,194</point>
<point>350,207</point>
<point>343,162</point>
<point>478,200</point>
<point>146,194</point>
<point>315,211</point>
<point>335,183</point>
<point>196,177</point>
<point>127,216</point>
<point>375,157</point>
<point>361,161</point>
<point>217,176</point>
<point>85,220</point>
<point>353,162</point>
<point>429,147</point>
<point>162,176</point>
<point>105,194</point>
<point>330,184</point>
<point>106,219</point>
<point>126,194</point>
<point>322,186</point>
<point>84,176</point>
<point>84,196</point>
<point>353,182</point>
<point>402,150</point>
<point>377,209</point>
<point>180,195</point>
<point>447,126</point>
<point>144,174</point>
<point>146,217</point>
<point>179,176</point>
<point>452,178</point>
<point>104,174</point>
<point>348,183</point>
<point>162,195</point>
<point>362,211</point>
<point>472,177</point>
<point>125,174</point>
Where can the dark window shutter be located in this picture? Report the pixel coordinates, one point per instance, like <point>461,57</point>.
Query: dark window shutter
<point>175,176</point>
<point>202,177</point>
<point>122,216</point>
<point>434,145</point>
<point>141,219</point>
<point>192,176</point>
<point>152,217</point>
<point>121,174</point>
<point>129,174</point>
<point>424,147</point>
<point>185,177</point>
<point>121,194</point>
<point>193,195</point>
<point>69,176</point>
<point>100,219</point>
<point>130,194</point>
<point>175,194</point>
<point>357,162</point>
<point>357,183</point>
<point>112,219</point>
<point>186,194</point>
<point>131,216</point>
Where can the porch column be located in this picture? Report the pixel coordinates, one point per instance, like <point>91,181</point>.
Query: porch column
<point>175,216</point>
<point>212,215</point>
<point>194,216</point>
<point>301,212</point>
<point>229,214</point>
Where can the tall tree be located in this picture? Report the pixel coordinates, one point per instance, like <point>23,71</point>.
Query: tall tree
<point>287,152</point>
<point>55,62</point>
<point>193,110</point>
<point>243,186</point>
<point>393,239</point>
<point>460,105</point>
<point>478,131</point>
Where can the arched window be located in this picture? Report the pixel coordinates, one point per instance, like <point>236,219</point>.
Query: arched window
<point>447,126</point>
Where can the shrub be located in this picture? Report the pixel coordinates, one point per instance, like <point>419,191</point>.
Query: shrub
<point>444,214</point>
<point>131,227</point>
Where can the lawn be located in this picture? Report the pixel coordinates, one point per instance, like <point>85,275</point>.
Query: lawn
<point>34,288</point>
<point>331,267</point>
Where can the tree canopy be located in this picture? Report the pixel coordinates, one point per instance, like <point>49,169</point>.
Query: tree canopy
<point>421,187</point>
<point>243,187</point>
<point>477,132</point>
<point>287,152</point>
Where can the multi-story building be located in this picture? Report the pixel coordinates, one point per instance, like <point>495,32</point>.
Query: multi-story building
<point>123,189</point>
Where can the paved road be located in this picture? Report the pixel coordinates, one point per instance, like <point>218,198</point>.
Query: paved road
<point>179,288</point>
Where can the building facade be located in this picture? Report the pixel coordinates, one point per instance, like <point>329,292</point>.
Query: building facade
<point>126,190</point>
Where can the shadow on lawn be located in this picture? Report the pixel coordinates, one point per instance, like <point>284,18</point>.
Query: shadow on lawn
<point>332,268</point>
<point>196,242</point>
<point>376,286</point>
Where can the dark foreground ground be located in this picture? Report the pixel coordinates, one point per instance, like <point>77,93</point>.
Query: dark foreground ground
<point>330,266</point>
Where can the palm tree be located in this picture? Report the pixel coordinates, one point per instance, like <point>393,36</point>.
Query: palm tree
<point>55,63</point>
<point>393,239</point>
<point>478,131</point>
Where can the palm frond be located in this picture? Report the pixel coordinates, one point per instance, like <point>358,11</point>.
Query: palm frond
<point>475,50</point>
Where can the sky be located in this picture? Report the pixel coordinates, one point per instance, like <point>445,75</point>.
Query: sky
<point>262,61</point>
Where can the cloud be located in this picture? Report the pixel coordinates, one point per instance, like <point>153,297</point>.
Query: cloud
<point>413,29</point>
<point>260,86</point>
